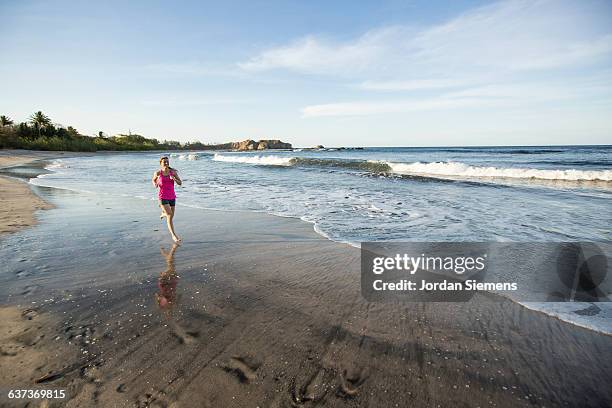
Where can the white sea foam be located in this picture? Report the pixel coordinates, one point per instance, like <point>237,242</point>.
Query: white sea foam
<point>56,164</point>
<point>190,156</point>
<point>458,170</point>
<point>258,160</point>
<point>574,312</point>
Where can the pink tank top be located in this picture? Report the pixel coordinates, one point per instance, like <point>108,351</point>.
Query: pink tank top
<point>166,187</point>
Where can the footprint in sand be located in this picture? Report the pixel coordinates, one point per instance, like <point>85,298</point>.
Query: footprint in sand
<point>183,336</point>
<point>156,399</point>
<point>350,382</point>
<point>245,368</point>
<point>29,314</point>
<point>9,350</point>
<point>314,389</point>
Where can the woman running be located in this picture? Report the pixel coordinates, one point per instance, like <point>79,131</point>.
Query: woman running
<point>164,180</point>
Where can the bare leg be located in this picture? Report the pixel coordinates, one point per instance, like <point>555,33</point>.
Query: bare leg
<point>163,211</point>
<point>170,254</point>
<point>169,212</point>
<point>176,238</point>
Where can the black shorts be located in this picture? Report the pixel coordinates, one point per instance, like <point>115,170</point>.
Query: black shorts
<point>171,202</point>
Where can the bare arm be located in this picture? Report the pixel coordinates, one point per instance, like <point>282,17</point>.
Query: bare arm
<point>154,179</point>
<point>176,177</point>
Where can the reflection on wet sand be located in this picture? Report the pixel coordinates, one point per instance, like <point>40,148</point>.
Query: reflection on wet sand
<point>167,282</point>
<point>167,297</point>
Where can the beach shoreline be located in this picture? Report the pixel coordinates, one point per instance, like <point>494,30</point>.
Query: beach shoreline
<point>18,201</point>
<point>267,312</point>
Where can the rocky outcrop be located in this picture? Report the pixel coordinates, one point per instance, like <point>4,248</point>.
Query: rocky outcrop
<point>261,145</point>
<point>245,145</point>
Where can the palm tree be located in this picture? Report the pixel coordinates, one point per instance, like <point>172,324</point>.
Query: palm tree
<point>40,121</point>
<point>5,121</point>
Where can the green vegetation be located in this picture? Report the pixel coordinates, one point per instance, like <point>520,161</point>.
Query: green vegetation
<point>5,121</point>
<point>39,133</point>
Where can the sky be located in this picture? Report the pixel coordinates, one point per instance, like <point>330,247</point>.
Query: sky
<point>340,73</point>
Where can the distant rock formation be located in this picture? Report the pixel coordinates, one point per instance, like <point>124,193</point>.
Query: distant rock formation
<point>261,145</point>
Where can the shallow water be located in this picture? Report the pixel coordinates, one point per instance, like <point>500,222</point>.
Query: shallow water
<point>392,194</point>
<point>354,195</point>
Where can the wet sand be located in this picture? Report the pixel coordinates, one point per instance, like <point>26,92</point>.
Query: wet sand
<point>256,310</point>
<point>18,202</point>
<point>18,205</point>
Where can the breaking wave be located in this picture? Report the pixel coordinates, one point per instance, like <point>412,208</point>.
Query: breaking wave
<point>451,170</point>
<point>462,170</point>
<point>258,160</point>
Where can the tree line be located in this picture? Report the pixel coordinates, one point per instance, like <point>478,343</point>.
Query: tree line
<point>40,133</point>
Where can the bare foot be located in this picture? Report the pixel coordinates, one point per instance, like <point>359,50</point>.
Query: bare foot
<point>161,216</point>
<point>176,239</point>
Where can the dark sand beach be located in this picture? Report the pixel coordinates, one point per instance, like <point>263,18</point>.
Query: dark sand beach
<point>255,310</point>
<point>18,202</point>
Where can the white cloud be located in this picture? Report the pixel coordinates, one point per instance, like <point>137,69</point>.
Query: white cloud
<point>532,92</point>
<point>363,108</point>
<point>588,92</point>
<point>506,37</point>
<point>312,55</point>
<point>492,56</point>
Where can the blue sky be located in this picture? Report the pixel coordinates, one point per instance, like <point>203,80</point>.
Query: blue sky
<point>380,73</point>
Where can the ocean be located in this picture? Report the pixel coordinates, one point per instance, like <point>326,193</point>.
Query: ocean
<point>484,194</point>
<point>496,194</point>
